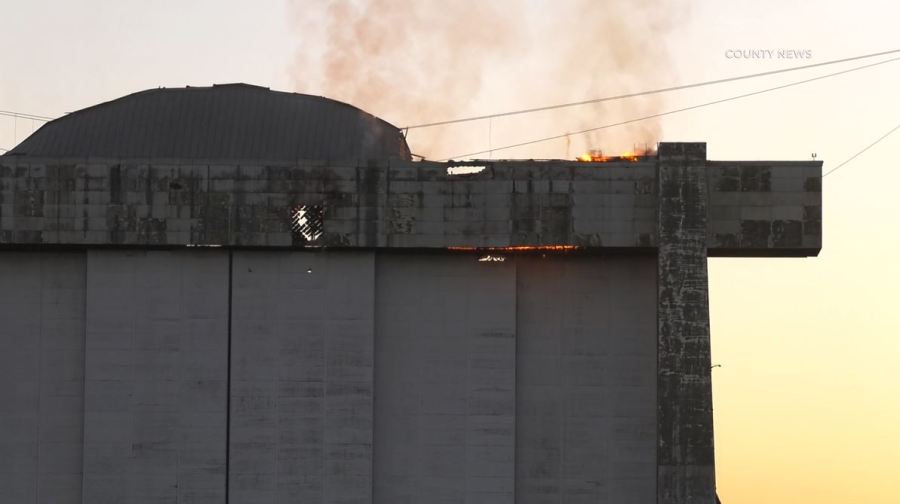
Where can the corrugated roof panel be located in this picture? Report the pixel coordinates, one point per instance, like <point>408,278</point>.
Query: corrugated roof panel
<point>295,131</point>
<point>193,116</point>
<point>344,140</point>
<point>50,139</point>
<point>275,136</point>
<point>91,134</point>
<point>136,130</point>
<point>233,121</point>
<point>271,138</point>
<point>230,108</point>
<point>321,128</point>
<point>178,124</point>
<point>204,131</point>
<point>64,143</point>
<point>252,138</point>
<point>124,132</point>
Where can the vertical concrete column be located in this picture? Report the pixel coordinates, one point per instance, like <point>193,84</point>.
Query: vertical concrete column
<point>685,461</point>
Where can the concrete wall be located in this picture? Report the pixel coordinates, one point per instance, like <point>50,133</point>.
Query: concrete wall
<point>302,377</point>
<point>445,372</point>
<point>355,377</point>
<point>586,380</point>
<point>41,377</point>
<point>272,376</point>
<point>155,378</point>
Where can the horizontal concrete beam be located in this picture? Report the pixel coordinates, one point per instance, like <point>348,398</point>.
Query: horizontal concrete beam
<point>755,208</point>
<point>764,208</point>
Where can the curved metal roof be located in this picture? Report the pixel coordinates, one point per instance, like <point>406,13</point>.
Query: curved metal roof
<point>228,121</point>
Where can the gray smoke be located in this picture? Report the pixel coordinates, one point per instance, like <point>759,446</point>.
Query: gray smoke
<point>413,61</point>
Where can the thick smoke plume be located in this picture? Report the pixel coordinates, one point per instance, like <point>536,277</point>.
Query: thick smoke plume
<point>414,61</point>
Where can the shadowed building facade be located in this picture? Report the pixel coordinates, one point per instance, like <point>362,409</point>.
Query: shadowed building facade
<point>324,320</point>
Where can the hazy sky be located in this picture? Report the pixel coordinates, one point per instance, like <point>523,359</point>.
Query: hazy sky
<point>807,401</point>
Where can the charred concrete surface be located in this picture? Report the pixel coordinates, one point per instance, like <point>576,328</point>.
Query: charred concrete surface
<point>330,348</point>
<point>759,208</point>
<point>685,458</point>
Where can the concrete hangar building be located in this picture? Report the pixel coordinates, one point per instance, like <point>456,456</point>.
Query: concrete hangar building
<point>234,295</point>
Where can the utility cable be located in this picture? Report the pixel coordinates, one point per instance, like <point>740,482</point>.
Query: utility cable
<point>22,115</point>
<point>851,158</point>
<point>670,112</point>
<point>648,92</point>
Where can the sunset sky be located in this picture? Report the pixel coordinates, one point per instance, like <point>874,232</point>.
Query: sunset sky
<point>807,398</point>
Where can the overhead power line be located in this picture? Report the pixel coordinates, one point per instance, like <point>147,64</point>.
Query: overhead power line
<point>851,158</point>
<point>670,112</point>
<point>22,115</point>
<point>648,92</point>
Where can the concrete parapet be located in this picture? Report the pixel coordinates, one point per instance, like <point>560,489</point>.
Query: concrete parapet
<point>755,208</point>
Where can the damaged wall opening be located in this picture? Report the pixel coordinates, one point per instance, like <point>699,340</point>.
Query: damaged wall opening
<point>465,169</point>
<point>307,223</point>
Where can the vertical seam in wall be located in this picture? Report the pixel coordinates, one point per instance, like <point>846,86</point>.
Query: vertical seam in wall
<point>134,258</point>
<point>470,355</point>
<point>324,416</point>
<point>279,261</point>
<point>515,370</point>
<point>563,377</point>
<point>228,377</point>
<point>182,315</point>
<point>40,381</point>
<point>84,323</point>
<point>374,368</point>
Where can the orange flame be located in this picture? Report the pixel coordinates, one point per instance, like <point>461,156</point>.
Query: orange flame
<point>593,156</point>
<point>596,156</point>
<point>518,248</point>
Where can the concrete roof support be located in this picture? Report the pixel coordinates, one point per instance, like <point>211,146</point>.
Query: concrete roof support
<point>685,457</point>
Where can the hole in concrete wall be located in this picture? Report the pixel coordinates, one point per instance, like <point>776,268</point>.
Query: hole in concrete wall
<point>464,169</point>
<point>307,222</point>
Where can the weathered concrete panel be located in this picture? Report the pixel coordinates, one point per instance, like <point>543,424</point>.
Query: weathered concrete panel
<point>759,208</point>
<point>764,208</point>
<point>41,373</point>
<point>155,377</point>
<point>302,377</point>
<point>586,380</point>
<point>684,413</point>
<point>444,380</point>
